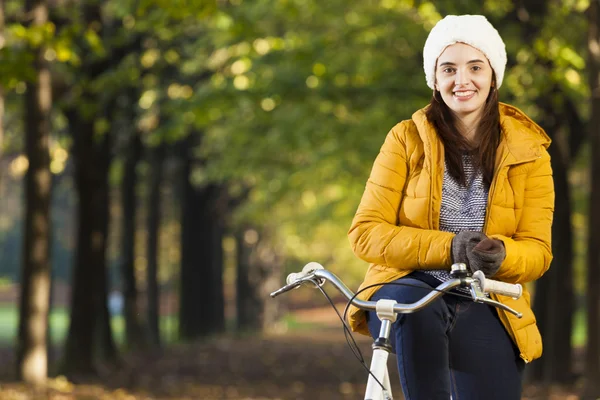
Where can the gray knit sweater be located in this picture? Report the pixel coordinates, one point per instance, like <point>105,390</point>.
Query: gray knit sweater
<point>463,206</point>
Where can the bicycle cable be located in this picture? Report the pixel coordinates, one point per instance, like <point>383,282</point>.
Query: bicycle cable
<point>350,340</point>
<point>354,349</point>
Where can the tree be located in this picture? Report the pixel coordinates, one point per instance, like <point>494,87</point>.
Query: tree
<point>554,302</point>
<point>133,149</point>
<point>202,308</point>
<point>592,355</point>
<point>89,327</point>
<point>259,272</point>
<point>89,333</point>
<point>35,281</point>
<point>2,41</point>
<point>157,155</point>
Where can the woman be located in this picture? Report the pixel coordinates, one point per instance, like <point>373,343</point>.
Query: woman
<point>467,179</point>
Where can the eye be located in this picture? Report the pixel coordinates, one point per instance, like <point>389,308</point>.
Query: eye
<point>448,70</point>
<point>476,68</point>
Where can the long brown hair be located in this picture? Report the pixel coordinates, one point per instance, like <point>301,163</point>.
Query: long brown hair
<point>483,153</point>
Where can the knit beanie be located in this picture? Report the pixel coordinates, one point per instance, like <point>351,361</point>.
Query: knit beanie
<point>474,30</point>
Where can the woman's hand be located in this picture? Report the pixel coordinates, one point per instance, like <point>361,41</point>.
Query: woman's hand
<point>486,256</point>
<point>479,252</point>
<point>463,243</point>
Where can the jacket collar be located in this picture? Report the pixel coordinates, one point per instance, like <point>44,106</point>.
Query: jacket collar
<point>522,139</point>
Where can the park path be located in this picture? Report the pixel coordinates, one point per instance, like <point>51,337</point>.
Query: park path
<point>311,363</point>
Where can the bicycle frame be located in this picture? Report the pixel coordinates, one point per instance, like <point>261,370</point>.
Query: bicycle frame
<point>381,350</point>
<point>379,369</point>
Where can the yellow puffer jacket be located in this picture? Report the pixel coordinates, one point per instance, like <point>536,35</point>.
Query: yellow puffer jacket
<point>396,227</point>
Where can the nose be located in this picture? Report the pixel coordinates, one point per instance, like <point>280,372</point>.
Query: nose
<point>461,77</point>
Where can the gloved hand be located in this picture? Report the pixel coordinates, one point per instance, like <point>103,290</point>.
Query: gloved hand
<point>463,243</point>
<point>486,256</point>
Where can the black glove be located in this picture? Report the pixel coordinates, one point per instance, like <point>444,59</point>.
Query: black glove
<point>463,243</point>
<point>487,256</point>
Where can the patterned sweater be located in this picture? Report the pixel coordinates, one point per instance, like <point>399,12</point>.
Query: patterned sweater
<point>463,207</point>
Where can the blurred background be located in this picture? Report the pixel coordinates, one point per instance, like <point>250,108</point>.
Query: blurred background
<point>165,163</point>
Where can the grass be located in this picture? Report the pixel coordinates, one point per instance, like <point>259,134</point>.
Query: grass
<point>293,324</point>
<point>8,324</point>
<point>59,325</point>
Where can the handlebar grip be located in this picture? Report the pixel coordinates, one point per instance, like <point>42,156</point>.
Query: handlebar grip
<point>502,288</point>
<point>293,277</point>
<point>311,266</point>
<point>308,268</point>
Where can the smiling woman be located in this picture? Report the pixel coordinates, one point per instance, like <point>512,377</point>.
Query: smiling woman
<point>466,180</point>
<point>465,109</point>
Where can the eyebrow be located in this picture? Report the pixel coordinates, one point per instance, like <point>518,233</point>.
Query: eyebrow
<point>469,62</point>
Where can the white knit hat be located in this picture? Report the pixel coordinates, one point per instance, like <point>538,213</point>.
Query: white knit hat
<point>474,30</point>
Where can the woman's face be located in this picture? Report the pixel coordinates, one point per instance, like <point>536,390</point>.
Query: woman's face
<point>463,77</point>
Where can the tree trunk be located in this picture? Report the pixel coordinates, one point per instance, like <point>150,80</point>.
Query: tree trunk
<point>259,270</point>
<point>592,354</point>
<point>133,330</point>
<point>154,212</point>
<point>89,327</point>
<point>32,356</point>
<point>562,305</point>
<point>90,332</point>
<point>541,302</point>
<point>189,299</point>
<point>248,301</point>
<point>553,303</point>
<point>105,340</point>
<point>202,310</point>
<point>2,39</point>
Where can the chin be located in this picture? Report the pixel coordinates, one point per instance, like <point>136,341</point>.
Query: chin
<point>466,108</point>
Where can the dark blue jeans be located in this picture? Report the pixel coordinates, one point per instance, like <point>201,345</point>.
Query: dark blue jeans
<point>452,346</point>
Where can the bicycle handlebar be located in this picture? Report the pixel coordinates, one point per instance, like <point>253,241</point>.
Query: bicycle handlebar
<point>480,285</point>
<point>502,288</point>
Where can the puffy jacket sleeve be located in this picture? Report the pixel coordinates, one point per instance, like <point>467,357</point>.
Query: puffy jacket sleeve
<point>529,251</point>
<point>375,235</point>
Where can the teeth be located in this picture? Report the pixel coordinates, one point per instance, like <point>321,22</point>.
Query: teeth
<point>463,94</point>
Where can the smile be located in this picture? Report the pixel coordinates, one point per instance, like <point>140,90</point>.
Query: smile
<point>465,95</point>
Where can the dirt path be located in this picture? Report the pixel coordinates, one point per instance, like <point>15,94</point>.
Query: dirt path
<point>301,366</point>
<point>309,364</point>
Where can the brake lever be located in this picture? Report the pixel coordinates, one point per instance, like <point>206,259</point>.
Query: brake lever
<point>286,288</point>
<point>497,304</point>
<point>312,278</point>
<point>476,291</point>
<point>479,296</point>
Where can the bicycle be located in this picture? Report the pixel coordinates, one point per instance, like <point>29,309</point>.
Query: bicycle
<point>378,383</point>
